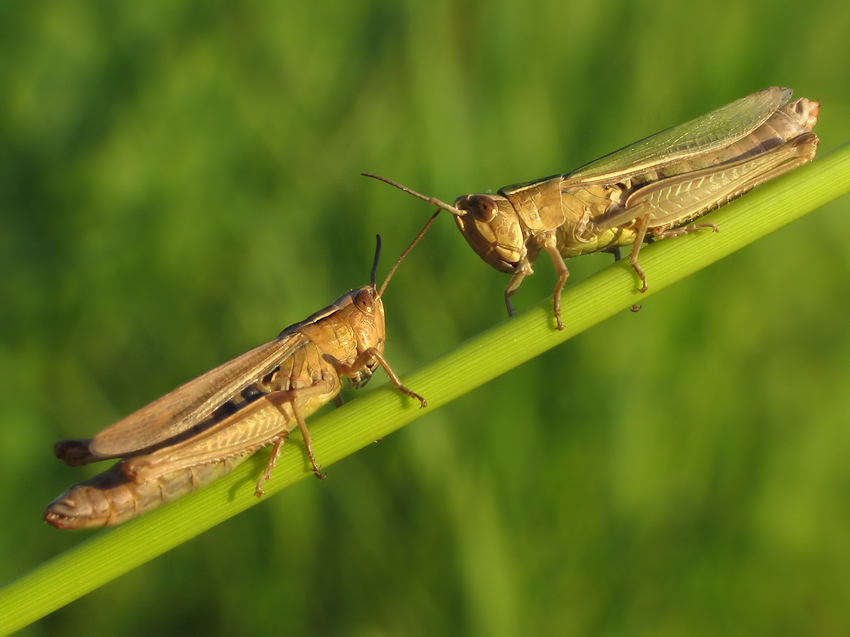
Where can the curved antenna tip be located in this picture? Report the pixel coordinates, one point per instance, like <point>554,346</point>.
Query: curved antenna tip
<point>431,200</point>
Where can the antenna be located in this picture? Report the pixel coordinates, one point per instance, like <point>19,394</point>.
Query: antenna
<point>431,200</point>
<point>374,276</point>
<point>403,254</point>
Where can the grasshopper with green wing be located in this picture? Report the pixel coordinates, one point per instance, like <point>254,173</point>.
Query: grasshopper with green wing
<point>652,189</point>
<point>206,427</point>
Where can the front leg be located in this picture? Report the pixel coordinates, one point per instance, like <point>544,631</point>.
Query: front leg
<point>363,359</point>
<point>522,271</point>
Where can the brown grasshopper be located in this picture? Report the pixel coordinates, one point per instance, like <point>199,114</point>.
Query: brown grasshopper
<point>203,429</point>
<point>654,187</point>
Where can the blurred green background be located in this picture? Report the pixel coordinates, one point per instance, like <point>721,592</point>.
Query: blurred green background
<point>180,181</point>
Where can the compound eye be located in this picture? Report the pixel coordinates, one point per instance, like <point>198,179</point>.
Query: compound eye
<point>481,207</point>
<point>364,301</point>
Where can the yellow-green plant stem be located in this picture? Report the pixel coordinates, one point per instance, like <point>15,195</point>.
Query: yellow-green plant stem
<point>104,555</point>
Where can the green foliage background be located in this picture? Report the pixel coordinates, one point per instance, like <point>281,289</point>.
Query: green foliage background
<point>179,181</point>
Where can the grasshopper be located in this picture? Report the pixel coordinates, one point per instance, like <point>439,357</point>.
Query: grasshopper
<point>652,189</point>
<point>206,427</point>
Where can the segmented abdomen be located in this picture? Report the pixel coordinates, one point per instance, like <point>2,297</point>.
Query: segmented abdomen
<point>109,498</point>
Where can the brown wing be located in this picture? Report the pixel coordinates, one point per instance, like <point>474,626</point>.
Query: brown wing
<point>194,401</point>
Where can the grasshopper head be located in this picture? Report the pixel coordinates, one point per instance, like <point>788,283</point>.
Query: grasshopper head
<point>488,222</point>
<point>491,228</point>
<point>366,317</point>
<point>357,328</point>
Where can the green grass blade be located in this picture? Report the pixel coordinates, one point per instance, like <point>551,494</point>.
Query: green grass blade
<point>110,553</point>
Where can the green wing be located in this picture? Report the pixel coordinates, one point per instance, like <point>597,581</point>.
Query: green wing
<point>702,135</point>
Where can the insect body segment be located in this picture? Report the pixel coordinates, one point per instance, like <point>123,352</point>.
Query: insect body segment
<point>653,188</point>
<point>111,497</point>
<point>205,428</point>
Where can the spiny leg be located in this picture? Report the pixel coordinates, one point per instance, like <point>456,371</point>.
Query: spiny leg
<point>276,449</point>
<point>308,443</point>
<point>656,233</point>
<point>291,397</point>
<point>615,250</point>
<point>680,232</point>
<point>641,225</point>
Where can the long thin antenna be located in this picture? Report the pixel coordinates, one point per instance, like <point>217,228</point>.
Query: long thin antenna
<point>374,276</point>
<point>403,254</point>
<point>431,200</point>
